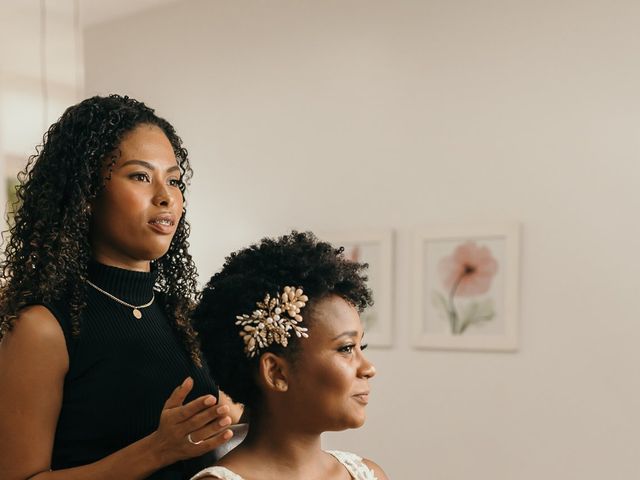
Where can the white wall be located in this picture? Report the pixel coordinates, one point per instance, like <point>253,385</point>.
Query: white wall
<point>26,108</point>
<point>347,114</point>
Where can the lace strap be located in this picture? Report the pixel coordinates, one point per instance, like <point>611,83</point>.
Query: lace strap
<point>218,472</point>
<point>354,464</point>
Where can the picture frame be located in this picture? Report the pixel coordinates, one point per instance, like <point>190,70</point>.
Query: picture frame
<point>375,247</point>
<point>466,287</point>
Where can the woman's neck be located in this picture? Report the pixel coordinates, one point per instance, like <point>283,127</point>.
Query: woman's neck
<point>123,263</point>
<point>282,438</point>
<point>276,447</point>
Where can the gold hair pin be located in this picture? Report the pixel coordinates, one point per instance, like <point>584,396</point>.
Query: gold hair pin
<point>273,321</point>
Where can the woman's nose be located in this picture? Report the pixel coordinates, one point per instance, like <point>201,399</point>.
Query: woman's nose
<point>162,196</point>
<point>367,368</point>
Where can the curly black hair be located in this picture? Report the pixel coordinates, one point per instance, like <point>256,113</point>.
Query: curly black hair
<point>298,260</point>
<point>48,250</point>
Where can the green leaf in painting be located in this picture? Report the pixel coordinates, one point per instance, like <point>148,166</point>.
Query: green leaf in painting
<point>476,313</point>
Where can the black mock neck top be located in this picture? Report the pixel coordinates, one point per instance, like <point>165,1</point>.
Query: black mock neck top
<point>121,371</point>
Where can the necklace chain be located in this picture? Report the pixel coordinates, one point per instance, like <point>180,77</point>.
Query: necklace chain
<point>136,308</point>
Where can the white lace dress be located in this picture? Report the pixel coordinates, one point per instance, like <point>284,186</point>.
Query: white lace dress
<point>352,462</point>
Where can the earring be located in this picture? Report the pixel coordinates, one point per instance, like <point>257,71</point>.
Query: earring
<point>280,385</point>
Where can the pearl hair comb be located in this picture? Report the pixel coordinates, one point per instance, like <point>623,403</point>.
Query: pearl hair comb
<point>273,321</point>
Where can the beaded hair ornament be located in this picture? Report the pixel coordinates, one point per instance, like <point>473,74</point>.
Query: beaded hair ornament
<point>273,321</point>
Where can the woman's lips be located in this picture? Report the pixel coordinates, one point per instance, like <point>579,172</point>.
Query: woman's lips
<point>362,398</point>
<point>164,225</point>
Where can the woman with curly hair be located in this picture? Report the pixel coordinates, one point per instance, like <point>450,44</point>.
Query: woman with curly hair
<point>96,292</point>
<point>280,327</point>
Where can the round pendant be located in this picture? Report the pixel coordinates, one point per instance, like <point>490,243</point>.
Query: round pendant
<point>137,313</point>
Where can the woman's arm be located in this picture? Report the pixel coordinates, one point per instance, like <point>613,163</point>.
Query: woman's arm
<point>33,365</point>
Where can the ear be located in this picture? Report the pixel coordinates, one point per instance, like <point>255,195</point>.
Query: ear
<point>274,372</point>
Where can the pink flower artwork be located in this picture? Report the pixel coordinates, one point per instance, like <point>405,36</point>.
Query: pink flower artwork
<point>467,272</point>
<point>353,253</point>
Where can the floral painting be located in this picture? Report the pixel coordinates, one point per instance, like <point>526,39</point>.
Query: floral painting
<point>466,288</point>
<point>375,249</point>
<point>466,276</point>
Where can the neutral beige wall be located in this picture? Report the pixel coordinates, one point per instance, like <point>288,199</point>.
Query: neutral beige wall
<point>335,114</point>
<point>25,114</point>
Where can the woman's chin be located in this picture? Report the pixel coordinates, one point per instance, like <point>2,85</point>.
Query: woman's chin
<point>348,424</point>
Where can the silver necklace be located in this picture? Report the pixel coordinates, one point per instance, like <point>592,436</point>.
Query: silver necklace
<point>136,308</point>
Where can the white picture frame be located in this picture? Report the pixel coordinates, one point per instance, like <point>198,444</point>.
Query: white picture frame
<point>375,247</point>
<point>466,287</point>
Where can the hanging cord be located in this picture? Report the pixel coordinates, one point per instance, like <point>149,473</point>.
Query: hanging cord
<point>43,64</point>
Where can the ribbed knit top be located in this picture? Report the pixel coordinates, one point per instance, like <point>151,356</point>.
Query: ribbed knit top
<point>121,371</point>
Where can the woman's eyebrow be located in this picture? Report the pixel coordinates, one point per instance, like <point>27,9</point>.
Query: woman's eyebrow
<point>351,333</point>
<point>147,165</point>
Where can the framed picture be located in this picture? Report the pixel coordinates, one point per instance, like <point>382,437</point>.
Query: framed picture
<point>374,247</point>
<point>465,281</point>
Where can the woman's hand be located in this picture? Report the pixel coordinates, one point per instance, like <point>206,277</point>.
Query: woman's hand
<point>190,430</point>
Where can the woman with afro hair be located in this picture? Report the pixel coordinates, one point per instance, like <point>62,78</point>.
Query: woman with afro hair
<point>100,373</point>
<point>280,328</point>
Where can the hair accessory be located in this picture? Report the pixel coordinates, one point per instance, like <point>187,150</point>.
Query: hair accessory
<point>136,308</point>
<point>273,321</point>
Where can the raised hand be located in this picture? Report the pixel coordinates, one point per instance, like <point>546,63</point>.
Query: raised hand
<point>193,429</point>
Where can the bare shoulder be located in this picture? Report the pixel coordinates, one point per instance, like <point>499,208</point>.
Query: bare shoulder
<point>238,463</point>
<point>33,364</point>
<point>380,475</point>
<point>35,327</point>
<point>236,458</point>
<point>34,352</point>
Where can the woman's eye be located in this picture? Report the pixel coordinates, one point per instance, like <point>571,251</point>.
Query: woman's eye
<point>346,349</point>
<point>175,182</point>
<point>363,346</point>
<point>140,177</point>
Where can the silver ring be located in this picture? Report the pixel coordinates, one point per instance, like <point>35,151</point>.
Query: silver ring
<point>190,440</point>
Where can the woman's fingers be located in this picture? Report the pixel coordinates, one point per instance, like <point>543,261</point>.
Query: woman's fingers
<point>179,394</point>
<point>208,439</point>
<point>192,429</point>
<point>216,427</point>
<point>185,413</point>
<point>207,416</point>
<point>207,424</point>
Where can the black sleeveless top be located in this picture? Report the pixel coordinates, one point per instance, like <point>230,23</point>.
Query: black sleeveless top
<point>121,371</point>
